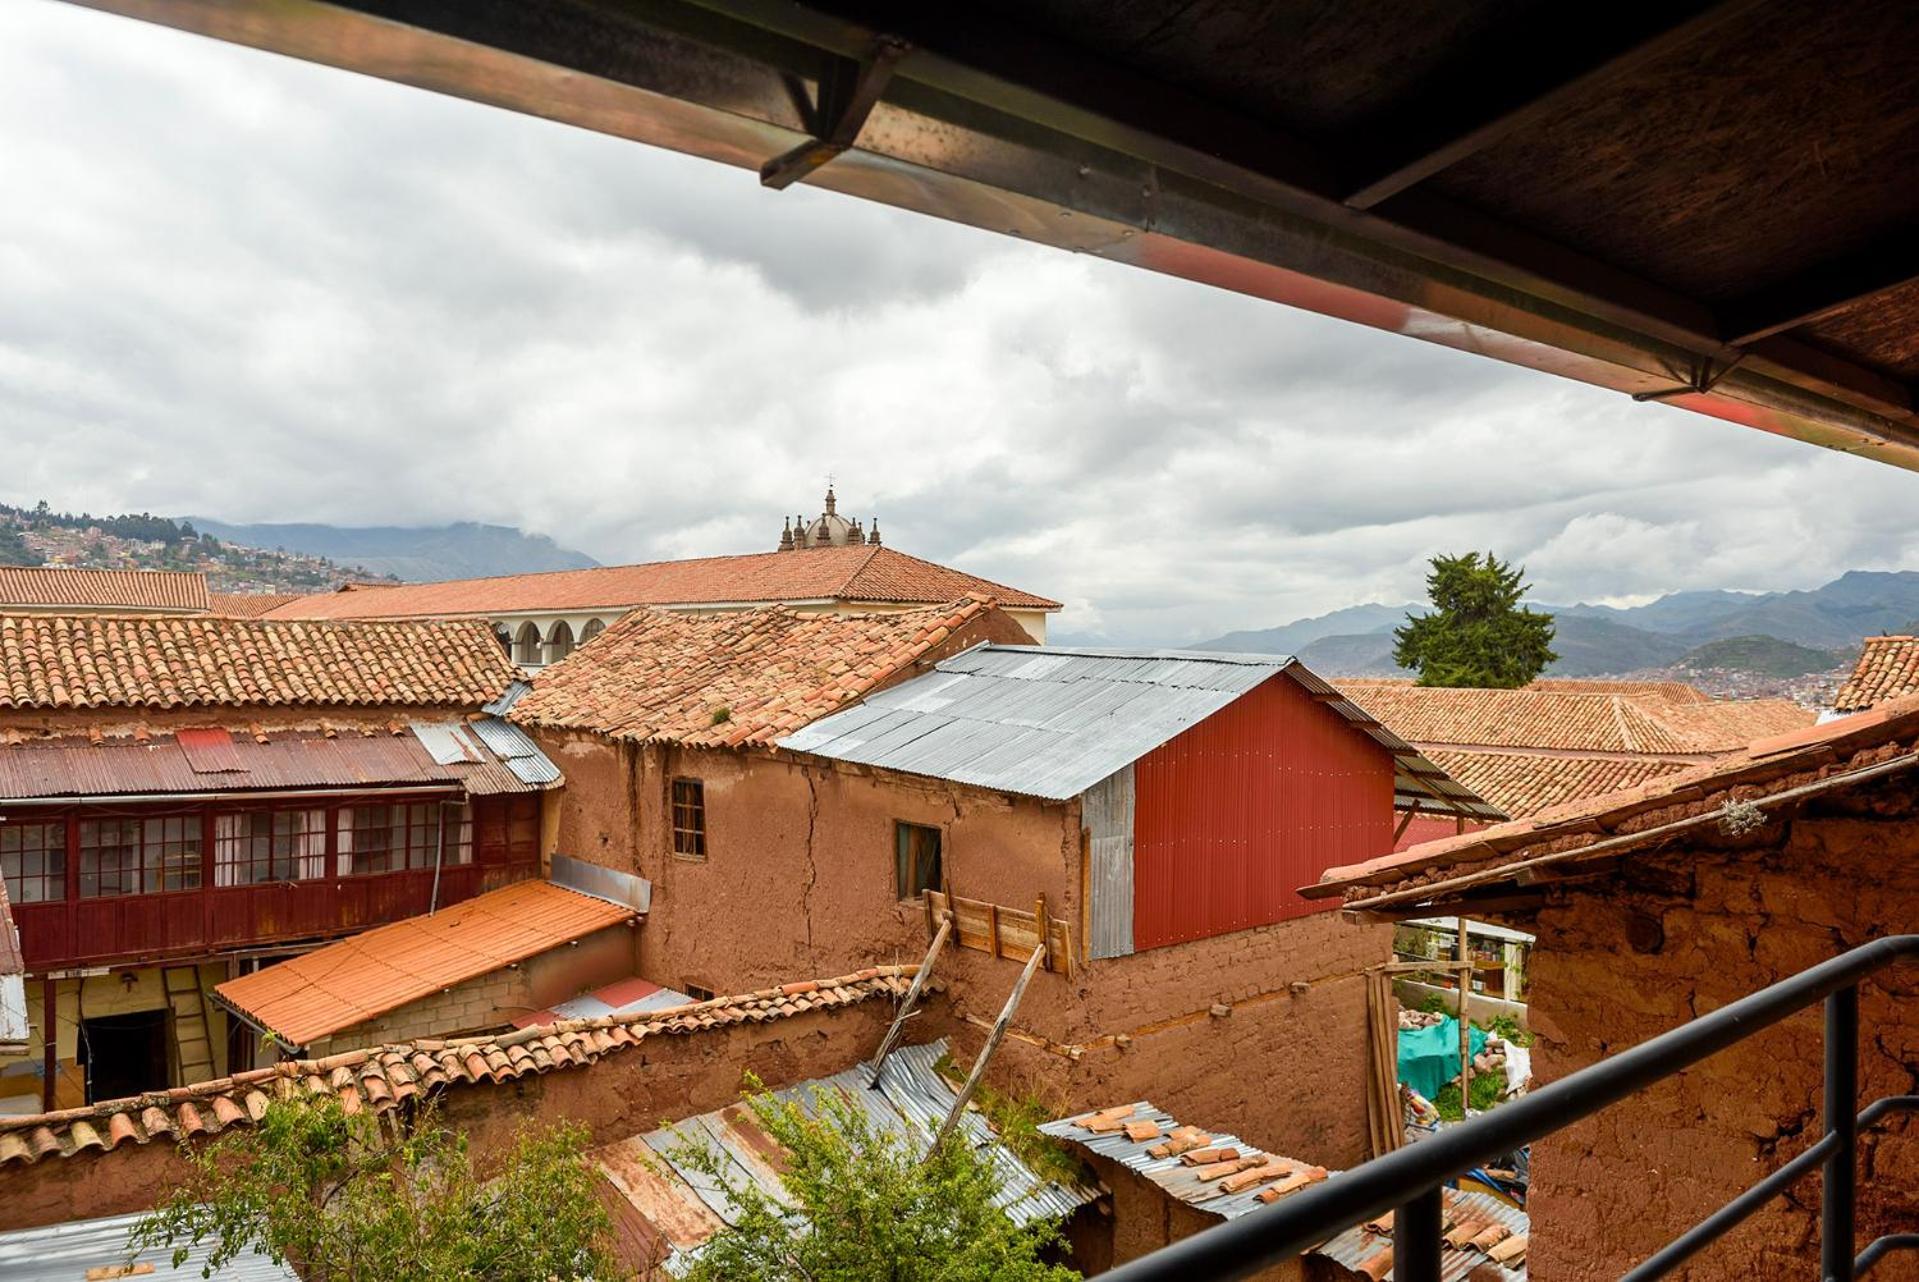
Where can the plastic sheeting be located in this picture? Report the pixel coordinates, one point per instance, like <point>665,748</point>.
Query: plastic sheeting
<point>1429,1057</point>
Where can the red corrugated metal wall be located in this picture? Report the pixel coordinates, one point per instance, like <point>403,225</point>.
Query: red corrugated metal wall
<point>1234,814</point>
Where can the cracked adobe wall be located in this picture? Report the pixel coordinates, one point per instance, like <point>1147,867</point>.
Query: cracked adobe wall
<point>1683,933</point>
<point>799,880</point>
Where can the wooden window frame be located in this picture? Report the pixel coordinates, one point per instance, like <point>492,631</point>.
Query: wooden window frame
<point>149,844</point>
<point>909,882</point>
<point>417,823</point>
<point>49,852</point>
<point>686,817</point>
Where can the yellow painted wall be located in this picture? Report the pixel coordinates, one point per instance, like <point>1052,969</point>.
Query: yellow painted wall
<point>90,998</point>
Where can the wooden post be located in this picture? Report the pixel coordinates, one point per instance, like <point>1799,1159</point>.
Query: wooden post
<point>992,929</point>
<point>50,1042</point>
<point>993,1039</point>
<point>1465,1024</point>
<point>912,996</point>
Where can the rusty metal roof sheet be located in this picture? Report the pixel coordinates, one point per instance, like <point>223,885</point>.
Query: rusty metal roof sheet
<point>77,766</point>
<point>1183,1181</point>
<point>331,989</point>
<point>685,1208</point>
<point>1049,722</point>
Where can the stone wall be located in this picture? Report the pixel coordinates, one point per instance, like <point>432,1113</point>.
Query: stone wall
<point>1680,933</point>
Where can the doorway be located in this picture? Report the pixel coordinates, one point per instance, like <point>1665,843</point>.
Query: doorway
<point>124,1055</point>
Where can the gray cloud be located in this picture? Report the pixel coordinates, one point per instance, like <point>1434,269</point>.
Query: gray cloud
<point>250,287</point>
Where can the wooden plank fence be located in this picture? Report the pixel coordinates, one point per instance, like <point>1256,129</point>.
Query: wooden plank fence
<point>1001,931</point>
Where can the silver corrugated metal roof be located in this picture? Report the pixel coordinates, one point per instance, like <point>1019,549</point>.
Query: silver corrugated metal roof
<point>65,1252</point>
<point>912,1100</point>
<point>514,692</point>
<point>1051,723</point>
<point>1351,1248</point>
<point>513,746</point>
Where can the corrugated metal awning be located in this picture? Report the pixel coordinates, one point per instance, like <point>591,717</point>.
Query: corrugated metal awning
<point>199,761</point>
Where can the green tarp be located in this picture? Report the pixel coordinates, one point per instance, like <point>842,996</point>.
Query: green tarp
<point>1429,1057</point>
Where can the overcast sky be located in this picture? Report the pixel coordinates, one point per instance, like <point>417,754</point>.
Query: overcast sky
<point>238,285</point>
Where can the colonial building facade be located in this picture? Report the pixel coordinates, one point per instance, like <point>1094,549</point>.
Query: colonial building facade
<point>185,799</point>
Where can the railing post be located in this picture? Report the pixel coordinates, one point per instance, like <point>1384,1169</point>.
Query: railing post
<point>1416,1230</point>
<point>1842,1105</point>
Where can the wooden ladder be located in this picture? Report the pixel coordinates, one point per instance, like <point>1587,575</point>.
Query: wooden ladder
<point>1000,1025</point>
<point>192,1038</point>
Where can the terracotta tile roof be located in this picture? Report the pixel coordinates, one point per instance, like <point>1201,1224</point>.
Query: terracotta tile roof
<point>152,661</point>
<point>330,989</point>
<point>1888,668</point>
<point>857,574</point>
<point>1524,783</point>
<point>56,588</point>
<point>744,677</point>
<point>249,605</point>
<point>1832,750</point>
<point>1631,722</point>
<point>1665,691</point>
<point>384,1078</point>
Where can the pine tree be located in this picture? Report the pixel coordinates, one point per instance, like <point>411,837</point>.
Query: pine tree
<point>1478,634</point>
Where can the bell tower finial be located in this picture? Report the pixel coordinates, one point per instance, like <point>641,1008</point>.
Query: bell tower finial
<point>832,503</point>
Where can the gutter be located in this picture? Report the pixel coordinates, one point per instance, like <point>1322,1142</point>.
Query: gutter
<point>272,794</point>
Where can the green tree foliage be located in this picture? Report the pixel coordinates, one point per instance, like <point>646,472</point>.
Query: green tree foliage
<point>14,549</point>
<point>1477,634</point>
<point>865,1204</point>
<point>341,1197</point>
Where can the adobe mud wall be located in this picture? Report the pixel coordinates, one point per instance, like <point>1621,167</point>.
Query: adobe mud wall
<point>1145,1218</point>
<point>626,1093</point>
<point>799,880</point>
<point>798,877</point>
<point>1678,935</point>
<point>1261,1032</point>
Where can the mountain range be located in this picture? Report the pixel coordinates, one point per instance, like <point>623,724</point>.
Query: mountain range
<point>421,554</point>
<point>1808,630</point>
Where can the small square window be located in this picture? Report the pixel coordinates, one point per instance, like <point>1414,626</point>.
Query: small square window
<point>917,853</point>
<point>689,818</point>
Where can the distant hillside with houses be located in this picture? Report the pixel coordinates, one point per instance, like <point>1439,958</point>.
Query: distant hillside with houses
<point>141,541</point>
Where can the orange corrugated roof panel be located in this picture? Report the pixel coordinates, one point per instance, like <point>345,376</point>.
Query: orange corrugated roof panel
<point>333,988</point>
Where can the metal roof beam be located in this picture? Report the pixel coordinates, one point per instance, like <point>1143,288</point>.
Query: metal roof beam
<point>1830,287</point>
<point>1528,73</point>
<point>850,98</point>
<point>985,124</point>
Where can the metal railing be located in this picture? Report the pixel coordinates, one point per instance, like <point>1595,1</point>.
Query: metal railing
<point>1409,1182</point>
